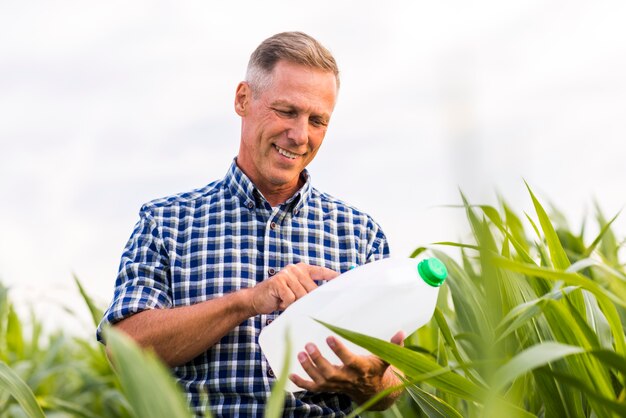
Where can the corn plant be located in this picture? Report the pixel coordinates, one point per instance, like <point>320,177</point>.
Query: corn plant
<point>55,375</point>
<point>528,325</point>
<point>72,377</point>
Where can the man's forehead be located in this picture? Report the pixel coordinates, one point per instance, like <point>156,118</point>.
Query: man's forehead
<point>289,104</point>
<point>285,68</point>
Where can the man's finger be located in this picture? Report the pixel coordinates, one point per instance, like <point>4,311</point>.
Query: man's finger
<point>301,273</point>
<point>325,368</point>
<point>321,273</point>
<point>294,283</point>
<point>346,356</point>
<point>310,368</point>
<point>398,338</point>
<point>302,383</point>
<point>285,295</point>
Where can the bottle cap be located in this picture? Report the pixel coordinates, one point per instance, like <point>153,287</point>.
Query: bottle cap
<point>433,271</point>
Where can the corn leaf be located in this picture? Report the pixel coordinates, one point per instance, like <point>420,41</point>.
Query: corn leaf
<point>605,229</point>
<point>76,410</point>
<point>96,313</point>
<point>276,401</point>
<point>557,254</point>
<point>412,364</point>
<point>432,406</point>
<point>524,312</point>
<point>589,391</point>
<point>147,383</point>
<point>15,386</point>
<point>603,296</point>
<point>15,337</point>
<point>570,278</point>
<point>609,246</point>
<point>529,359</point>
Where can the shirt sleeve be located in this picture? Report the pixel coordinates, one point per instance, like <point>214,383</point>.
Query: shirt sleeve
<point>379,246</point>
<point>143,280</point>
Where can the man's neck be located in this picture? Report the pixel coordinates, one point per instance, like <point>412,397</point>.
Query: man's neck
<point>274,194</point>
<point>278,195</point>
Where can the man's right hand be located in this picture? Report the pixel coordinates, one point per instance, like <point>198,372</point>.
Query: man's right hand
<point>287,286</point>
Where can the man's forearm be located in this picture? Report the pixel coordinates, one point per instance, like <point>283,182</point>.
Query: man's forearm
<point>178,335</point>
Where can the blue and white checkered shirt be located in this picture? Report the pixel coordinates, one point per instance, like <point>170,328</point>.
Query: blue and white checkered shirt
<point>201,245</point>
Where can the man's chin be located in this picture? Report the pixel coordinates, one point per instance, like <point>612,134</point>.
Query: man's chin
<point>284,175</point>
<point>285,179</point>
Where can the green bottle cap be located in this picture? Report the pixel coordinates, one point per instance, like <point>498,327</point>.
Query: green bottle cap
<point>433,271</point>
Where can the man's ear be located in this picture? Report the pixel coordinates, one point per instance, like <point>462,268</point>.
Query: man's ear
<point>242,98</point>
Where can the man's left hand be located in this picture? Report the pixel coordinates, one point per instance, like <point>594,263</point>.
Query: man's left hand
<point>360,377</point>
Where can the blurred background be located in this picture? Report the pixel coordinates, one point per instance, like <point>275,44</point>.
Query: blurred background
<point>107,105</point>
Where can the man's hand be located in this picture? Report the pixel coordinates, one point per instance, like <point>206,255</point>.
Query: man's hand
<point>360,377</point>
<point>289,285</point>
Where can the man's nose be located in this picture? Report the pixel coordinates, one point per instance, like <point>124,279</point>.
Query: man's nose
<point>299,131</point>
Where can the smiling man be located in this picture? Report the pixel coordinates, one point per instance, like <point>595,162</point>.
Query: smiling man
<point>205,271</point>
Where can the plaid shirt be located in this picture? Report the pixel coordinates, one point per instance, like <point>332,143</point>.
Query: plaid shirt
<point>201,245</point>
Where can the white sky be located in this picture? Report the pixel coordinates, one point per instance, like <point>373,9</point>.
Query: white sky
<point>106,105</point>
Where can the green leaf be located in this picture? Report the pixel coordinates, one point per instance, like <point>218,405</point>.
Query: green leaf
<point>514,226</point>
<point>431,405</point>
<point>12,384</point>
<point>456,244</point>
<point>552,399</point>
<point>451,342</point>
<point>4,315</point>
<point>96,313</point>
<point>466,294</point>
<point>603,296</point>
<point>609,246</point>
<point>492,214</point>
<point>557,254</point>
<point>533,224</point>
<point>417,251</point>
<point>75,409</point>
<point>276,402</point>
<point>611,359</point>
<point>546,273</point>
<point>413,364</point>
<point>529,359</point>
<point>148,385</point>
<point>588,391</point>
<point>524,312</point>
<point>15,338</point>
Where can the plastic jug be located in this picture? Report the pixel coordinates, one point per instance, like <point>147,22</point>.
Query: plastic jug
<point>377,299</point>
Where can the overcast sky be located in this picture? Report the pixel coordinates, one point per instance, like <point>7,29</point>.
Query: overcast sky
<point>107,105</point>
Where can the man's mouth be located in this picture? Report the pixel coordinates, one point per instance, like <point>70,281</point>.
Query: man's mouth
<point>286,153</point>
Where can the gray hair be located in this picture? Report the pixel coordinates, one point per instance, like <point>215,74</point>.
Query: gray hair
<point>294,47</point>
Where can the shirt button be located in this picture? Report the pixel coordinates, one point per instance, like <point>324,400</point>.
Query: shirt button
<point>273,225</point>
<point>250,205</point>
<point>270,372</point>
<point>271,271</point>
<point>269,321</point>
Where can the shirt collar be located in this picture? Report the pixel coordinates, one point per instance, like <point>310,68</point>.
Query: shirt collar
<point>241,186</point>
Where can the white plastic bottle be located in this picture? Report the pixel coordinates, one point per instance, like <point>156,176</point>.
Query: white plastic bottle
<point>377,299</point>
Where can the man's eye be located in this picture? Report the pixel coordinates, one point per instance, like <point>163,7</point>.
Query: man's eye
<point>285,113</point>
<point>318,122</point>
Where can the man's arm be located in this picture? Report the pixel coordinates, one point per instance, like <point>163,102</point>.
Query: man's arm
<point>180,334</point>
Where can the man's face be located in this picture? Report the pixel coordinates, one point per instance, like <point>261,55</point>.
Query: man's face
<point>284,125</point>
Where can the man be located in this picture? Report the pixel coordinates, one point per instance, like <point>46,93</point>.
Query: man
<point>205,271</point>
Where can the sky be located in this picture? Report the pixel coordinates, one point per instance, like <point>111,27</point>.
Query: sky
<point>107,105</point>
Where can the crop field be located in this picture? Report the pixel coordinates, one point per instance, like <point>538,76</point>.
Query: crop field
<point>530,323</point>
